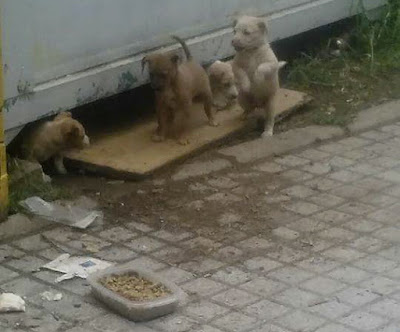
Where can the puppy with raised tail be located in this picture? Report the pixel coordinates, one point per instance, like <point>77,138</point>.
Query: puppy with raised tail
<point>256,69</point>
<point>223,86</point>
<point>51,139</point>
<point>176,86</point>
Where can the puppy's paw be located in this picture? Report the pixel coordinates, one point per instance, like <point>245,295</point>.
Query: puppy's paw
<point>213,123</point>
<point>267,133</point>
<point>184,141</point>
<point>157,138</point>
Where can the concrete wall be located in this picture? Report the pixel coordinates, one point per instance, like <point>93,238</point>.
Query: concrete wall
<point>62,54</point>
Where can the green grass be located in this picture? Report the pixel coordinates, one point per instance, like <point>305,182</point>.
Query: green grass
<point>31,186</point>
<point>366,71</point>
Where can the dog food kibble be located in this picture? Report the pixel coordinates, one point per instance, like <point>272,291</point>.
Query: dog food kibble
<point>134,287</point>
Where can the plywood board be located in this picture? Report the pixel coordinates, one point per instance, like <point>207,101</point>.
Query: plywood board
<point>131,153</point>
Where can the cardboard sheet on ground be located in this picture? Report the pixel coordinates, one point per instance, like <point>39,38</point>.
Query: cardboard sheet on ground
<point>132,153</point>
<point>73,267</point>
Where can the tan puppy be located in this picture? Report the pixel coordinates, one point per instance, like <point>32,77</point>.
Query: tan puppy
<point>176,86</point>
<point>52,138</point>
<point>222,83</point>
<point>256,69</point>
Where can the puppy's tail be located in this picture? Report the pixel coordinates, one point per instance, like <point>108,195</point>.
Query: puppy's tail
<point>184,46</point>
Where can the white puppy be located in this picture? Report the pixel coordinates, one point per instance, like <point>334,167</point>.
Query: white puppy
<point>256,69</point>
<point>222,83</point>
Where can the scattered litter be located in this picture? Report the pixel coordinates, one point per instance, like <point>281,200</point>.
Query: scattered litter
<point>50,296</point>
<point>73,267</point>
<point>10,302</point>
<point>62,212</point>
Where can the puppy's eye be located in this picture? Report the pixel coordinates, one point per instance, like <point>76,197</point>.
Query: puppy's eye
<point>246,32</point>
<point>227,85</point>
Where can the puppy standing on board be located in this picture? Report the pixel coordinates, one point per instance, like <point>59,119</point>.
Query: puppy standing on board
<point>223,86</point>
<point>52,138</point>
<point>176,85</point>
<point>256,69</point>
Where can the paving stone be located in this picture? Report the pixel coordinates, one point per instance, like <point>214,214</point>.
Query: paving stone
<point>356,208</point>
<point>232,275</point>
<point>26,263</point>
<point>265,310</point>
<point>317,264</point>
<point>375,264</point>
<point>326,200</point>
<point>176,275</point>
<point>138,226</point>
<point>206,328</point>
<point>291,275</point>
<point>7,274</point>
<point>235,322</point>
<point>203,287</point>
<point>386,307</point>
<point>111,323</point>
<point>116,254</point>
<point>204,310</point>
<point>295,297</point>
<point>338,234</point>
<point>200,168</point>
<point>333,328</point>
<point>300,321</point>
<point>349,274</point>
<point>323,184</point>
<point>343,254</point>
<point>332,217</point>
<point>263,286</point>
<point>322,285</point>
<point>147,263</point>
<point>302,208</point>
<point>313,154</point>
<point>229,254</point>
<point>391,234</point>
<point>367,244</point>
<point>319,168</point>
<point>118,234</point>
<point>362,225</point>
<point>345,176</point>
<point>285,233</point>
<point>363,321</point>
<point>255,243</point>
<point>144,244</point>
<point>201,266</point>
<point>270,167</point>
<point>7,253</point>
<point>286,254</point>
<point>32,243</point>
<point>222,183</point>
<point>331,308</point>
<point>176,323</point>
<point>269,328</point>
<point>171,237</point>
<point>381,285</point>
<point>296,175</point>
<point>235,298</point>
<point>261,264</point>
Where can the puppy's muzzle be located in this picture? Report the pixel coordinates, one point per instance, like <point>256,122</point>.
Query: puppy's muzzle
<point>236,45</point>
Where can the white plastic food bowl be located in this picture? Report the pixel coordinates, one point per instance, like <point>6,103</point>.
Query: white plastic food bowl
<point>135,310</point>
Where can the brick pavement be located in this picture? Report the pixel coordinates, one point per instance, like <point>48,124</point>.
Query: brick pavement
<point>330,263</point>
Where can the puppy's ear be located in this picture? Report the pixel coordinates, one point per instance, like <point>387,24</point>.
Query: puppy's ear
<point>145,60</point>
<point>262,26</point>
<point>175,59</point>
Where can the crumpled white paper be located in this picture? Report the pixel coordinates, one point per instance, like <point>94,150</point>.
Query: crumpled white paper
<point>10,302</point>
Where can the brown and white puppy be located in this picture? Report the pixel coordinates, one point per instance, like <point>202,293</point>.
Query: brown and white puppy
<point>176,86</point>
<point>222,81</point>
<point>256,69</point>
<point>51,139</point>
